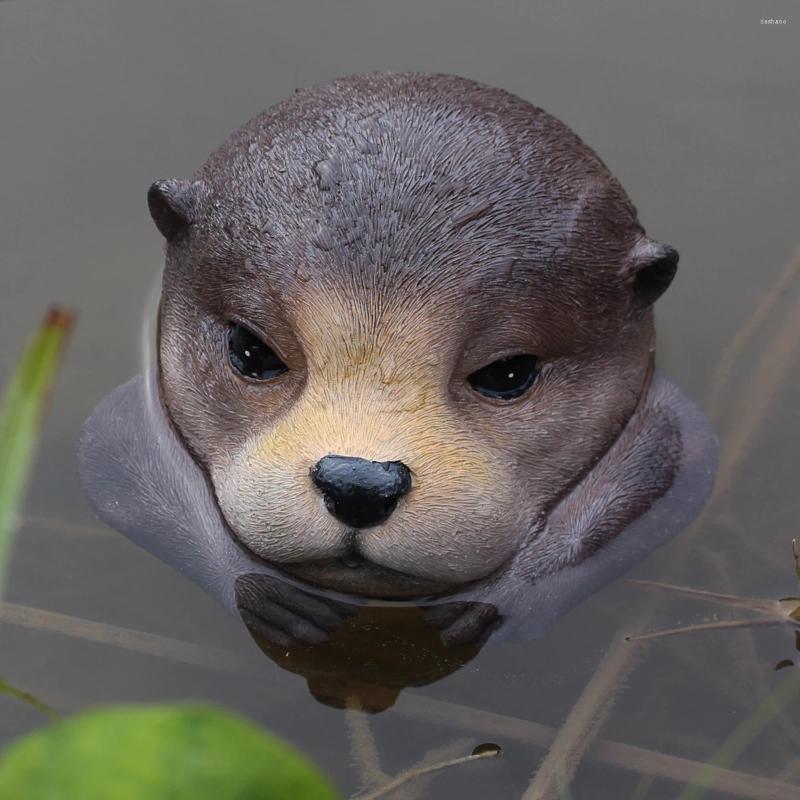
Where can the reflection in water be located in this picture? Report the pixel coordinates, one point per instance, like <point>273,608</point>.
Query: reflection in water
<point>361,655</point>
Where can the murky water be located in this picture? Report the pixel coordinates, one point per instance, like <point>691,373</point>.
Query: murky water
<point>693,108</point>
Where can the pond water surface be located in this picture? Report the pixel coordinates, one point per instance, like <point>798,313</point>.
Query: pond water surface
<point>695,109</point>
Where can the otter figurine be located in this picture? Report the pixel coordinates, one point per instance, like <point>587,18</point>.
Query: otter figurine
<point>405,350</point>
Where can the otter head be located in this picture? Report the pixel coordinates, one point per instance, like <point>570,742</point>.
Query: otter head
<point>402,315</point>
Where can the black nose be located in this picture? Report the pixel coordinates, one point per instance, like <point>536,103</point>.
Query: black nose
<point>358,492</point>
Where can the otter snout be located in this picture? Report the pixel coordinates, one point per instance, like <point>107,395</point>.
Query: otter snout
<point>358,492</point>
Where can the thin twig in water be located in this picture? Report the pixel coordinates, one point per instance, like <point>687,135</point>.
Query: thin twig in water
<point>127,638</point>
<point>724,370</point>
<point>705,627</point>
<point>742,736</point>
<point>754,409</point>
<point>778,612</point>
<point>603,751</point>
<point>28,698</point>
<point>365,754</point>
<point>363,749</point>
<point>758,397</point>
<point>583,723</point>
<point>756,403</point>
<point>725,684</point>
<point>491,725</point>
<point>418,772</point>
<point>434,756</point>
<point>749,663</point>
<point>758,604</point>
<point>750,547</point>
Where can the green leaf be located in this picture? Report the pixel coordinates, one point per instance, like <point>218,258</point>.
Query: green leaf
<point>164,752</point>
<point>20,417</point>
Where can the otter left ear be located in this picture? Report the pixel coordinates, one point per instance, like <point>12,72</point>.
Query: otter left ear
<point>173,206</point>
<point>650,270</point>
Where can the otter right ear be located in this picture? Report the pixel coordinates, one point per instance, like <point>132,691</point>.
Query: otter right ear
<point>173,206</point>
<point>650,270</point>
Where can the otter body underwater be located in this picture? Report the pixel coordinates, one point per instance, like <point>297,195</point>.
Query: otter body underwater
<point>405,350</point>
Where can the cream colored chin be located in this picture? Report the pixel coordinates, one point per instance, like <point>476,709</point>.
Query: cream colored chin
<point>368,580</point>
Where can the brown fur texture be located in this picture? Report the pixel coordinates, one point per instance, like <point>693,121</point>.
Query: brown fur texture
<point>388,235</point>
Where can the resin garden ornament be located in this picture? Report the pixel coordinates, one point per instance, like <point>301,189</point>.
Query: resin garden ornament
<point>404,351</point>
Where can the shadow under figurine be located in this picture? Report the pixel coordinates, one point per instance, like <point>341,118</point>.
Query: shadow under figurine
<point>405,352</point>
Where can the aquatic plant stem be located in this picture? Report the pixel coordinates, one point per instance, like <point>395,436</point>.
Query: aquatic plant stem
<point>757,604</point>
<point>418,772</point>
<point>724,371</point>
<point>473,721</point>
<point>758,397</point>
<point>362,745</point>
<point>27,697</point>
<point>367,759</point>
<point>779,353</point>
<point>136,641</point>
<point>778,613</point>
<point>416,790</point>
<point>743,736</point>
<point>708,626</point>
<point>603,751</point>
<point>583,722</point>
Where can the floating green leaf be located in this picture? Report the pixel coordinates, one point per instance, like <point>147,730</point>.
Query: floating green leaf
<point>20,418</point>
<point>165,752</point>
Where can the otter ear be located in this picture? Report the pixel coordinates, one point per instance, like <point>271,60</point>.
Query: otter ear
<point>173,206</point>
<point>650,270</point>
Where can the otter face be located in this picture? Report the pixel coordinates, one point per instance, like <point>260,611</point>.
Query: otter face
<point>401,316</point>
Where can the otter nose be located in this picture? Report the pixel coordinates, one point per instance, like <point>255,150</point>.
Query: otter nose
<point>358,492</point>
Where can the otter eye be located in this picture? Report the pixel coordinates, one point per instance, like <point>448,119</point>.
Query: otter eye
<point>252,357</point>
<point>505,379</point>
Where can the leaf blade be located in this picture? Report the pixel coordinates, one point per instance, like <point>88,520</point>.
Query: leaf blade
<point>21,413</point>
